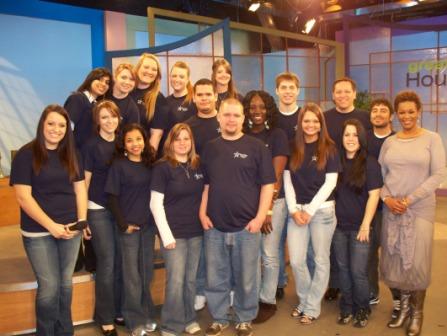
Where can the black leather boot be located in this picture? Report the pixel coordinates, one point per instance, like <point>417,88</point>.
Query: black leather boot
<point>417,299</point>
<point>404,312</point>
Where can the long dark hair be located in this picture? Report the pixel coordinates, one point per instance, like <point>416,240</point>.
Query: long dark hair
<point>356,175</point>
<point>148,154</point>
<point>270,106</point>
<point>95,74</point>
<point>325,146</point>
<point>65,148</point>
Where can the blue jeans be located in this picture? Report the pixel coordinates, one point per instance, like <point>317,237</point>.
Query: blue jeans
<point>270,253</point>
<point>181,268</point>
<point>137,250</point>
<point>282,276</point>
<point>201,272</point>
<point>232,255</point>
<point>108,280</point>
<point>352,261</point>
<point>311,284</point>
<point>53,261</point>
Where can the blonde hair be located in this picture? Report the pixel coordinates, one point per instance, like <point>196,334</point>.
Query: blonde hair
<point>189,88</point>
<point>150,96</point>
<point>232,92</point>
<point>168,148</point>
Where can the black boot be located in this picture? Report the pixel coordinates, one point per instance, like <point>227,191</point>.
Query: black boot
<point>417,299</point>
<point>404,312</point>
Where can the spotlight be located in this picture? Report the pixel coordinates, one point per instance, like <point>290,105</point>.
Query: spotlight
<point>308,26</point>
<point>254,6</point>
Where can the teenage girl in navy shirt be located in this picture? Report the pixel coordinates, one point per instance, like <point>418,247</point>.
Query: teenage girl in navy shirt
<point>260,122</point>
<point>223,82</point>
<point>151,102</point>
<point>309,181</point>
<point>357,196</point>
<point>123,84</point>
<point>128,185</point>
<point>176,192</point>
<point>50,189</point>
<point>79,104</point>
<point>97,155</point>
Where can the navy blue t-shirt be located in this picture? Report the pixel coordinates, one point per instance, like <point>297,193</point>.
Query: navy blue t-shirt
<point>350,206</point>
<point>307,179</point>
<point>182,187</point>
<point>51,188</point>
<point>130,182</point>
<point>335,121</point>
<point>288,124</point>
<point>375,143</point>
<point>203,130</point>
<point>178,111</point>
<point>97,154</point>
<point>235,171</point>
<point>79,110</point>
<point>160,117</point>
<point>275,140</point>
<point>128,110</point>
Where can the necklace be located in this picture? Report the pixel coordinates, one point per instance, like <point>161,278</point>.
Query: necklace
<point>185,169</point>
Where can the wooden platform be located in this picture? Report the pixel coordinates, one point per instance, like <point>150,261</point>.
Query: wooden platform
<point>18,288</point>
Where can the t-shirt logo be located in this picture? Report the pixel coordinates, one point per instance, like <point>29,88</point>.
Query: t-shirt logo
<point>140,101</point>
<point>314,158</point>
<point>198,176</point>
<point>295,127</point>
<point>239,155</point>
<point>182,109</point>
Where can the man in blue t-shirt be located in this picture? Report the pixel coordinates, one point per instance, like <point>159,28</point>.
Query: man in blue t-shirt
<point>239,180</point>
<point>381,117</point>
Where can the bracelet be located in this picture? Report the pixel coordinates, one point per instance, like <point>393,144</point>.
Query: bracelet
<point>269,213</point>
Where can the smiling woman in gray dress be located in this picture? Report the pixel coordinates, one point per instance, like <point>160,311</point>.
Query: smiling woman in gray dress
<point>413,166</point>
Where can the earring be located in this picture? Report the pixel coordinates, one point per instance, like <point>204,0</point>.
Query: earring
<point>266,124</point>
<point>125,153</point>
<point>250,123</point>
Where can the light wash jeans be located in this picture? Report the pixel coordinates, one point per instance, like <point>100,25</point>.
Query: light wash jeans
<point>108,279</point>
<point>181,268</point>
<point>137,250</point>
<point>232,255</point>
<point>270,253</point>
<point>53,261</point>
<point>310,288</point>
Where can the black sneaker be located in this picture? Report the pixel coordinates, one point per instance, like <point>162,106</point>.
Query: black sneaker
<point>279,293</point>
<point>344,318</point>
<point>361,318</point>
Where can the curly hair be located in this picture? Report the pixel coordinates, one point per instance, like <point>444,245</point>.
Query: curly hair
<point>270,106</point>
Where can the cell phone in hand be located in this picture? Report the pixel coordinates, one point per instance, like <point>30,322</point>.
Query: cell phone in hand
<point>79,226</point>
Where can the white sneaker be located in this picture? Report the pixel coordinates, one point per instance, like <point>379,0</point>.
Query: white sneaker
<point>231,298</point>
<point>199,302</point>
<point>193,328</point>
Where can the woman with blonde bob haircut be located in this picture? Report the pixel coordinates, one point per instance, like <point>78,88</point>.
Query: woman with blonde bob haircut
<point>147,95</point>
<point>176,191</point>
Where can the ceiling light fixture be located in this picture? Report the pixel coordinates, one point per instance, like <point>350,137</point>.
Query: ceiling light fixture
<point>254,6</point>
<point>309,25</point>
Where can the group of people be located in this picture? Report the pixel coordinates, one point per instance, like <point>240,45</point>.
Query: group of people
<point>225,180</point>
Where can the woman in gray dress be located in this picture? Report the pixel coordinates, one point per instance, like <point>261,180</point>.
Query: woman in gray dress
<point>413,166</point>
